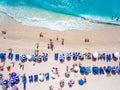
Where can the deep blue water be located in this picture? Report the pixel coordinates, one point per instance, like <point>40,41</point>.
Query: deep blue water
<point>41,12</point>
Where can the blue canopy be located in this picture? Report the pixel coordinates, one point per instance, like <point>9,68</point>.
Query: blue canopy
<point>109,68</point>
<point>82,69</point>
<point>81,82</point>
<point>87,70</point>
<point>2,55</point>
<point>68,55</point>
<point>95,69</point>
<point>62,57</point>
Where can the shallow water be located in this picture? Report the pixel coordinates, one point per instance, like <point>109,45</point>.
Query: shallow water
<point>62,14</point>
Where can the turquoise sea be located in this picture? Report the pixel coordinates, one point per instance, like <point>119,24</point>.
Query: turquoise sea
<point>62,14</point>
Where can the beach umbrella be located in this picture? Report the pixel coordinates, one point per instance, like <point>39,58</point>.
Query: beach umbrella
<point>70,83</point>
<point>2,55</point>
<point>29,56</point>
<point>95,69</point>
<point>95,54</point>
<point>109,69</point>
<point>82,69</point>
<point>23,57</point>
<point>87,70</point>
<point>69,55</point>
<point>53,75</point>
<point>41,77</point>
<point>76,68</point>
<point>13,74</point>
<point>81,82</point>
<point>117,54</point>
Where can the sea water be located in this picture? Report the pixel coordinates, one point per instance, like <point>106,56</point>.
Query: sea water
<point>62,14</point>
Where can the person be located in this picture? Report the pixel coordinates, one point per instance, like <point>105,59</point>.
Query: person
<point>85,79</point>
<point>51,87</point>
<point>62,41</point>
<point>48,46</point>
<point>41,35</point>
<point>24,81</point>
<point>57,38</point>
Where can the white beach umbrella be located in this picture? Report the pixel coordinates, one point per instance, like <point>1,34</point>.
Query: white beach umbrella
<point>28,56</point>
<point>53,75</point>
<point>95,54</point>
<point>116,54</point>
<point>41,77</point>
<point>76,68</point>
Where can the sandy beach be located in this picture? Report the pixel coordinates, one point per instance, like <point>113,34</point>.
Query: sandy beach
<point>22,39</point>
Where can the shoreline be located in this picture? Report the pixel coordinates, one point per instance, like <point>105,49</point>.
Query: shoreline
<point>22,39</point>
<point>92,23</point>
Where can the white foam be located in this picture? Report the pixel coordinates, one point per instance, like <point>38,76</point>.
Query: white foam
<point>51,20</point>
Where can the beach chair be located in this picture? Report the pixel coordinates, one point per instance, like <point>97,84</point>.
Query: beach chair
<point>10,56</point>
<point>17,57</point>
<point>36,78</point>
<point>30,79</point>
<point>56,56</point>
<point>47,76</point>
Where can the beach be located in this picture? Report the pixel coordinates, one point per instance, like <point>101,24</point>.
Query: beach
<point>23,39</point>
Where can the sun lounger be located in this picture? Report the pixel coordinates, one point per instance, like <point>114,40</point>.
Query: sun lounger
<point>36,78</point>
<point>47,76</point>
<point>30,78</point>
<point>10,56</point>
<point>17,57</point>
<point>56,56</point>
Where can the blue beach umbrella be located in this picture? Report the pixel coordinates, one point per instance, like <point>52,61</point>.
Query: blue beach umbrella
<point>109,69</point>
<point>95,69</point>
<point>82,69</point>
<point>2,55</point>
<point>81,82</point>
<point>87,70</point>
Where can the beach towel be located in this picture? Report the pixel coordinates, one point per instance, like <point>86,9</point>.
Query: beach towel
<point>9,68</point>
